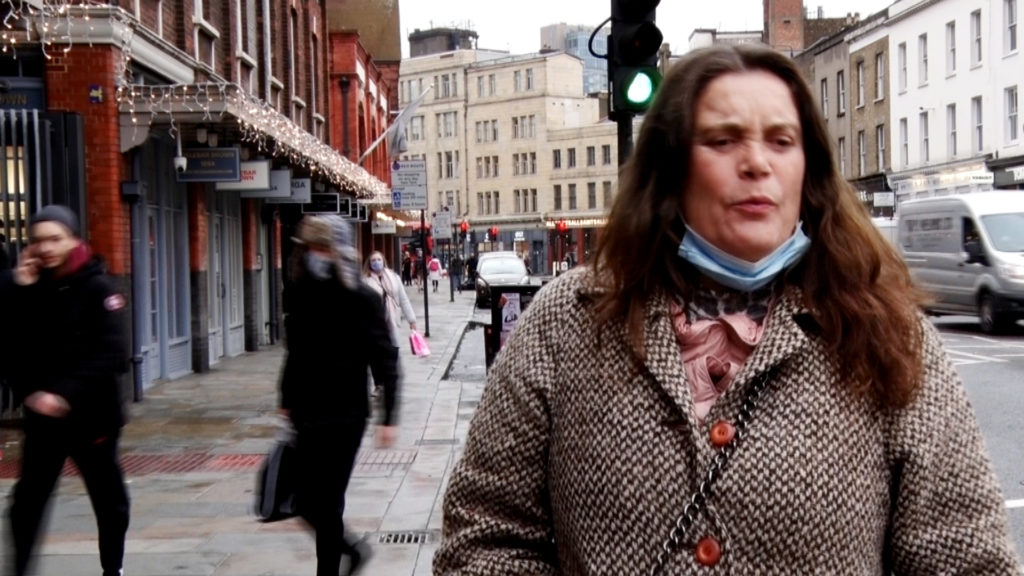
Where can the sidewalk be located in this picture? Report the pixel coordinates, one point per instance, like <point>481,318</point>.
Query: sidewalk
<point>193,447</point>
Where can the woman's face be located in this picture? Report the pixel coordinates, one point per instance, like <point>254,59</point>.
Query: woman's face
<point>376,262</point>
<point>746,165</point>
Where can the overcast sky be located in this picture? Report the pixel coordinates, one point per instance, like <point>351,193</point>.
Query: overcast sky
<point>515,25</point>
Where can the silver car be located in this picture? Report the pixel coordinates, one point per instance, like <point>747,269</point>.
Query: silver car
<point>498,269</point>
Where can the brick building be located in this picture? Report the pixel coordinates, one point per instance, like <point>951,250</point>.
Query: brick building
<point>185,134</point>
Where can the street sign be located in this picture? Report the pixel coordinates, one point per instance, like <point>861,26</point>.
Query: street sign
<point>322,204</point>
<point>409,184</point>
<point>442,225</point>
<point>885,199</point>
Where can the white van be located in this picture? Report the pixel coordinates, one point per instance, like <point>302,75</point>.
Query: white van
<point>967,252</point>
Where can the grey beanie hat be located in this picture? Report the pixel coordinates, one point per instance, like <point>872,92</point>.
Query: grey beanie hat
<point>344,244</point>
<point>61,215</point>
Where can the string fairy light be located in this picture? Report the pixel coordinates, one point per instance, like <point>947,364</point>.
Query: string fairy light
<point>53,23</point>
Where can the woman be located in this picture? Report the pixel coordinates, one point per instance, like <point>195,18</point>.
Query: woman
<point>434,268</point>
<point>388,286</point>
<point>335,329</point>
<point>740,380</point>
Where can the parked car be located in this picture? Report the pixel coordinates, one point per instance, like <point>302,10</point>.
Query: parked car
<point>967,252</point>
<point>498,269</point>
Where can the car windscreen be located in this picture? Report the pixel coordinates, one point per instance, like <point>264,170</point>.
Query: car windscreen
<point>1006,231</point>
<point>502,266</point>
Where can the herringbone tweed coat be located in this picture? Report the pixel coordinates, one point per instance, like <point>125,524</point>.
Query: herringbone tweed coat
<point>580,458</point>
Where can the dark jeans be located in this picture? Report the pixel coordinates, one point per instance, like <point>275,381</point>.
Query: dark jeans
<point>326,456</point>
<point>48,443</point>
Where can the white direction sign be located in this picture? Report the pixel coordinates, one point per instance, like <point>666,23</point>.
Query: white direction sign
<point>441,227</point>
<point>409,184</point>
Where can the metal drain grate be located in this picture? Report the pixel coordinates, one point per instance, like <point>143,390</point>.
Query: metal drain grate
<point>411,537</point>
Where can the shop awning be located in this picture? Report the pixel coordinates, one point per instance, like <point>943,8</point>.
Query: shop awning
<point>258,123</point>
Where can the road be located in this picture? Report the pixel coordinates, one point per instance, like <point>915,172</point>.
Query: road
<point>992,368</point>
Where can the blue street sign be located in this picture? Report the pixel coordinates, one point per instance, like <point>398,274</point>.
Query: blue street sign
<point>396,199</point>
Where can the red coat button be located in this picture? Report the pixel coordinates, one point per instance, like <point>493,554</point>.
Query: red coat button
<point>709,552</point>
<point>722,433</point>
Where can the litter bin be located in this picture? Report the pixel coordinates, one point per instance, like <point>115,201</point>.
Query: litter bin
<point>507,304</point>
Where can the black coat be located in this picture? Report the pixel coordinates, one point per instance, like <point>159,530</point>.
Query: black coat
<point>332,335</point>
<point>68,336</point>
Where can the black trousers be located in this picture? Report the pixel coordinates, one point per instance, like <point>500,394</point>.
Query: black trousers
<point>326,456</point>
<point>48,443</point>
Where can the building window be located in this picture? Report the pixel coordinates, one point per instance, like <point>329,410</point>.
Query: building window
<point>950,48</point>
<point>446,87</point>
<point>529,78</point>
<point>606,154</point>
<point>572,157</point>
<point>572,196</point>
<point>824,97</point>
<point>922,50</point>
<point>591,156</point>
<point>862,154</point>
<point>480,203</point>
<point>515,164</point>
<point>879,76</point>
<point>977,138</point>
<point>591,195</point>
<point>925,156</point>
<point>497,202</point>
<point>841,92</point>
<point>494,163</point>
<point>558,196</point>
<point>488,203</point>
<point>607,192</point>
<point>480,166</point>
<point>451,164</point>
<point>975,37</point>
<point>516,199</point>
<point>447,124</point>
<point>416,128</point>
<point>533,162</point>
<point>880,146</point>
<point>860,83</point>
<point>517,81</point>
<point>1010,30</point>
<point>904,143</point>
<point>842,157</point>
<point>556,159</point>
<point>492,85</point>
<point>533,199</point>
<point>515,128</point>
<point>1010,104</point>
<point>494,130</point>
<point>951,128</point>
<point>479,86</point>
<point>901,61</point>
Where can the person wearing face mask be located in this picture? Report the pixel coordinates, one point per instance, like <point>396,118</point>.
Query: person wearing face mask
<point>739,382</point>
<point>387,284</point>
<point>335,330</point>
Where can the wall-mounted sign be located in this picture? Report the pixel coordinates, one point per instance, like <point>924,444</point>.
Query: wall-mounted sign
<point>22,93</point>
<point>210,165</point>
<point>441,225</point>
<point>302,189</point>
<point>409,184</point>
<point>323,204</point>
<point>280,186</point>
<point>383,227</point>
<point>255,175</point>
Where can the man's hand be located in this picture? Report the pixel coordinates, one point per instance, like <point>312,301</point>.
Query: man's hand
<point>386,436</point>
<point>27,271</point>
<point>48,404</point>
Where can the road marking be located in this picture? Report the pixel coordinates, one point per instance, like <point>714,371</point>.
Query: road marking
<point>1010,355</point>
<point>1015,503</point>
<point>971,358</point>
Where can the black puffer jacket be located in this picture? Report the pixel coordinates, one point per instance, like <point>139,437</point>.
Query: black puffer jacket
<point>333,334</point>
<point>68,336</point>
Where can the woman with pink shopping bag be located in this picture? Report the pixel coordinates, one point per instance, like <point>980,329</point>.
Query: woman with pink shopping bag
<point>418,344</point>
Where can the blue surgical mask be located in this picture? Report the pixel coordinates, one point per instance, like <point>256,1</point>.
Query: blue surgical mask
<point>737,273</point>
<point>376,265</point>
<point>319,265</point>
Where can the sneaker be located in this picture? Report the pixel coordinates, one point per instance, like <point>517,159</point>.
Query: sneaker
<point>357,558</point>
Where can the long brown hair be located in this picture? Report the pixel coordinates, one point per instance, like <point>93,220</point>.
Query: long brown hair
<point>853,282</point>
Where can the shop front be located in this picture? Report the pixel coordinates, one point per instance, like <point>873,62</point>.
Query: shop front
<point>1008,173</point>
<point>956,178</point>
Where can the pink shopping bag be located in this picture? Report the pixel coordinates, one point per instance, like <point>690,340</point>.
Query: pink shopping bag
<point>418,344</point>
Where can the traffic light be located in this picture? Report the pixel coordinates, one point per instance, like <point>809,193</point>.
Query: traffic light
<point>464,227</point>
<point>561,226</point>
<point>633,55</point>
<point>494,233</point>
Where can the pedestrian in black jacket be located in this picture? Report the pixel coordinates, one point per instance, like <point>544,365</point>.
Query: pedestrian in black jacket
<point>68,355</point>
<point>335,328</point>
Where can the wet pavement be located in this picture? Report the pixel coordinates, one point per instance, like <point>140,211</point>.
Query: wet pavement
<point>193,446</point>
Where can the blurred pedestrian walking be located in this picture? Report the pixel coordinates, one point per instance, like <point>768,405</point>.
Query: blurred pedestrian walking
<point>67,358</point>
<point>335,329</point>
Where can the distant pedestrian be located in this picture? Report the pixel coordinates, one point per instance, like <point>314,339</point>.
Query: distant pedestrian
<point>386,284</point>
<point>67,359</point>
<point>406,269</point>
<point>434,268</point>
<point>471,268</point>
<point>336,329</point>
<point>456,271</point>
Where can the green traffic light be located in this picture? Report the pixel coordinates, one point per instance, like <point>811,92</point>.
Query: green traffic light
<point>641,89</point>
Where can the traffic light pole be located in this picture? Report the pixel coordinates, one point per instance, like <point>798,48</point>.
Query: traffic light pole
<point>624,124</point>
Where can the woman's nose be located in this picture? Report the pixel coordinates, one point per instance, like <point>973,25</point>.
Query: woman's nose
<point>755,159</point>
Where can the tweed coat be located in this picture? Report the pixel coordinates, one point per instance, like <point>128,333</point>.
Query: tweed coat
<point>581,457</point>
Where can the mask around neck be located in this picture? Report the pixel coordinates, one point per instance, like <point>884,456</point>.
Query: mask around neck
<point>737,273</point>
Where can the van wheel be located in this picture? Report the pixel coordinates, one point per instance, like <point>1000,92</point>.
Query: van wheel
<point>991,323</point>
